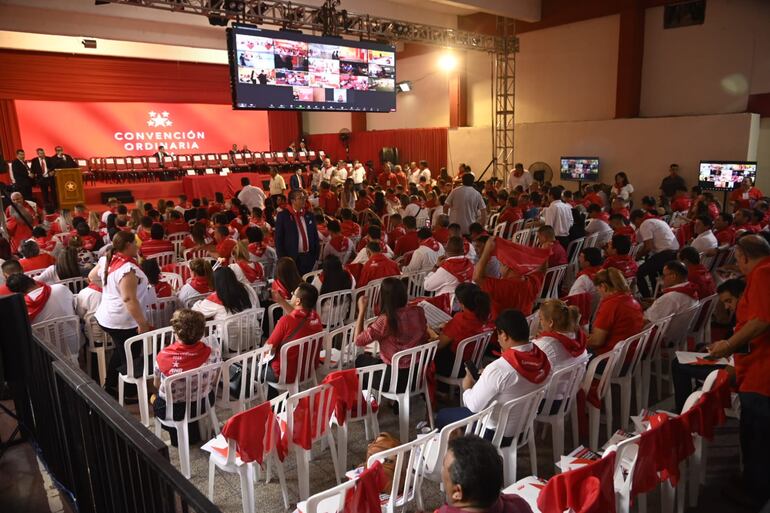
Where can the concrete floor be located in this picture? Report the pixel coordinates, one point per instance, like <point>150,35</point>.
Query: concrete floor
<point>25,486</point>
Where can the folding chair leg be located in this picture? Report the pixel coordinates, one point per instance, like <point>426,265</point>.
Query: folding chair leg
<point>429,407</point>
<point>625,407</point>
<point>532,452</point>
<point>101,363</point>
<point>303,473</point>
<point>593,427</point>
<point>658,376</point>
<point>339,473</point>
<point>667,493</point>
<point>342,445</point>
<point>607,413</point>
<point>510,457</point>
<point>247,488</point>
<point>557,433</point>
<point>212,475</point>
<point>281,479</point>
<point>404,402</point>
<point>144,407</point>
<point>184,448</point>
<point>574,421</point>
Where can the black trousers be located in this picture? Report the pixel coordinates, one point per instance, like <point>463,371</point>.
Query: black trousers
<point>305,262</point>
<point>48,190</point>
<point>682,376</point>
<point>650,270</point>
<point>755,444</point>
<point>118,358</point>
<point>366,359</point>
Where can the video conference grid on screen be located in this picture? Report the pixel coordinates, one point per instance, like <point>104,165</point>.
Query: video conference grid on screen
<point>285,70</point>
<point>725,176</point>
<point>580,168</point>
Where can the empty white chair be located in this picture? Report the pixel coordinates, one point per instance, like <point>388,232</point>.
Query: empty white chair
<point>552,282</point>
<point>75,284</point>
<point>415,284</point>
<point>478,344</point>
<point>99,342</point>
<point>164,258</point>
<point>560,395</point>
<point>335,308</point>
<point>533,321</point>
<point>195,389</point>
<point>177,239</point>
<point>190,301</point>
<point>419,358</point>
<point>63,333</point>
<point>307,349</point>
<point>499,229</point>
<point>343,357</point>
<point>160,311</point>
<point>173,279</point>
<point>629,368</point>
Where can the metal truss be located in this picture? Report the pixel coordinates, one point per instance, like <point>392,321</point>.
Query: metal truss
<point>504,92</point>
<point>299,16</point>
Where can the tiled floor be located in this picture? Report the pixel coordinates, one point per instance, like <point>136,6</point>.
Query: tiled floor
<point>26,487</point>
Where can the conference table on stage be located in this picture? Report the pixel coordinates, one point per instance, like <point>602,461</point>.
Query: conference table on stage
<point>206,185</point>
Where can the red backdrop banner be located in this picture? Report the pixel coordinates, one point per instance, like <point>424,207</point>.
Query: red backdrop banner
<point>85,129</point>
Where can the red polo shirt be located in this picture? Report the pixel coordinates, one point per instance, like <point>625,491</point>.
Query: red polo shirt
<point>153,247</point>
<point>225,248</point>
<point>299,323</point>
<point>328,202</point>
<point>726,237</point>
<point>464,324</point>
<point>699,276</point>
<point>519,294</point>
<point>620,315</point>
<point>558,255</point>
<point>34,263</point>
<point>742,199</point>
<point>407,242</point>
<point>350,228</point>
<point>378,266</point>
<point>623,263</point>
<point>752,369</point>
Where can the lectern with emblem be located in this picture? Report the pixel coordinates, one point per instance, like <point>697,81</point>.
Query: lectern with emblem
<point>69,187</point>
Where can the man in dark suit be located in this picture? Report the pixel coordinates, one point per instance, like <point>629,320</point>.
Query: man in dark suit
<point>297,181</point>
<point>296,234</point>
<point>62,160</point>
<point>42,168</point>
<point>22,175</point>
<point>160,154</point>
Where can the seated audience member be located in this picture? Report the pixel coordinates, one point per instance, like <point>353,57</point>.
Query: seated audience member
<point>409,241</point>
<point>705,241</point>
<point>229,297</point>
<point>201,281</point>
<point>399,326</point>
<point>619,227</point>
<point>650,206</point>
<point>66,267</point>
<point>45,242</point>
<point>472,319</point>
<point>472,477</point>
<point>546,239</point>
<point>397,229</point>
<point>88,299</point>
<point>300,320</point>
<point>287,277</point>
<point>724,230</point>
<point>441,230</point>
<point>245,270</point>
<point>339,244</point>
<point>374,234</point>
<point>349,227</point>
<point>560,336</point>
<point>156,243</point>
<point>522,368</point>
<point>224,244</point>
<point>511,289</point>
<point>198,237</point>
<point>677,297</point>
<point>44,302</point>
<point>427,254</point>
<point>619,315</point>
<point>598,220</point>
<point>186,353</point>
<point>33,258</point>
<point>618,256</point>
<point>730,293</point>
<point>333,277</point>
<point>660,246</point>
<point>590,262</point>
<point>697,274</point>
<point>453,270</point>
<point>260,251</point>
<point>377,266</point>
<point>9,267</point>
<point>143,230</point>
<point>681,201</point>
<point>176,224</point>
<point>152,270</point>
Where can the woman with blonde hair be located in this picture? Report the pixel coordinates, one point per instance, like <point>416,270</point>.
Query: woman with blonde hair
<point>560,336</point>
<point>619,315</point>
<point>136,218</point>
<point>245,270</point>
<point>94,223</point>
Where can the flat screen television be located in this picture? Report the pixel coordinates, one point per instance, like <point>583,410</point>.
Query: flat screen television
<point>580,169</point>
<point>284,70</point>
<point>716,175</point>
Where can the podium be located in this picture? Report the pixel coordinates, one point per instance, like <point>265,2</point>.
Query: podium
<point>69,187</point>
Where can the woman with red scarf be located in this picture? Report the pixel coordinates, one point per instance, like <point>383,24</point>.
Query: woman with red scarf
<point>522,368</point>
<point>201,281</point>
<point>619,315</point>
<point>590,261</point>
<point>259,250</point>
<point>245,270</point>
<point>560,336</point>
<point>125,297</point>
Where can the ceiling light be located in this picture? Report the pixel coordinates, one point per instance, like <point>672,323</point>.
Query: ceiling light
<point>447,61</point>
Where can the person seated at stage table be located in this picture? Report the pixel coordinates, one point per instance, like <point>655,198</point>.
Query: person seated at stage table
<point>156,244</point>
<point>229,297</point>
<point>66,267</point>
<point>245,270</point>
<point>511,289</point>
<point>201,281</point>
<point>546,239</point>
<point>33,258</point>
<point>425,257</point>
<point>619,315</point>
<point>377,266</point>
<point>560,336</point>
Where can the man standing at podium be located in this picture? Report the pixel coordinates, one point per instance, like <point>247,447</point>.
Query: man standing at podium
<point>61,160</point>
<point>42,168</point>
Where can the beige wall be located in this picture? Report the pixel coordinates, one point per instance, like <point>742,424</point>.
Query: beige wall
<point>469,145</point>
<point>568,73</point>
<point>763,156</point>
<point>709,68</point>
<point>643,148</point>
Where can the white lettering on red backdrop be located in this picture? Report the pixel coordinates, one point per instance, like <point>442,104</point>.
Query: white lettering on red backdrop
<point>170,140</point>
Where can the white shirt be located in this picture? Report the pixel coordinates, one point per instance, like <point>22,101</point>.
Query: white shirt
<point>525,180</point>
<point>624,192</point>
<point>442,281</point>
<point>556,352</point>
<point>343,256</point>
<point>582,284</point>
<point>277,185</point>
<point>185,292</point>
<point>60,303</point>
<point>597,226</point>
<point>705,241</point>
<point>112,312</point>
<point>465,203</point>
<point>327,172</point>
<point>252,197</point>
<point>87,301</point>
<point>414,177</point>
<point>672,302</point>
<point>49,275</point>
<point>499,381</point>
<point>316,178</point>
<point>359,174</point>
<point>421,214</point>
<point>660,233</point>
<point>363,256</point>
<point>423,259</point>
<point>425,173</point>
<point>558,215</point>
<point>211,310</point>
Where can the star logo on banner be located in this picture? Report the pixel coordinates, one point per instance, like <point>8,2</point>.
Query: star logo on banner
<point>70,186</point>
<point>159,119</point>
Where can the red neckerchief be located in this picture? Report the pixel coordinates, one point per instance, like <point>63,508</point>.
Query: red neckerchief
<point>163,289</point>
<point>200,284</point>
<point>281,289</point>
<point>574,346</point>
<point>340,243</point>
<point>532,365</point>
<point>466,246</point>
<point>431,244</point>
<point>590,271</point>
<point>301,231</point>
<point>249,271</point>
<point>36,305</point>
<point>45,243</point>
<point>687,288</point>
<point>118,259</point>
<point>461,268</point>
<point>257,248</point>
<point>214,298</point>
<point>179,357</point>
<point>95,287</point>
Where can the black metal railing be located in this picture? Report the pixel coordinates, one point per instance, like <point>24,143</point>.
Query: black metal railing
<point>103,456</point>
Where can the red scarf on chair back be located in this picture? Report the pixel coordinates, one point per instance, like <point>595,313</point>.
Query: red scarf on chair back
<point>200,284</point>
<point>118,259</point>
<point>574,346</point>
<point>532,365</point>
<point>36,305</point>
<point>586,489</point>
<point>255,432</point>
<point>346,390</point>
<point>365,496</point>
<point>522,259</point>
<point>661,449</point>
<point>460,268</point>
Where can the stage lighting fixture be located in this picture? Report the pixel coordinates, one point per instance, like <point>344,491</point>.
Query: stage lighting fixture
<point>447,61</point>
<point>404,87</point>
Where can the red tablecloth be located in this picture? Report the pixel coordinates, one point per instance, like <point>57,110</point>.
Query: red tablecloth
<point>207,185</point>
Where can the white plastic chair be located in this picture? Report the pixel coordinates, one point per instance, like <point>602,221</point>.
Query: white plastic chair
<point>307,348</point>
<point>675,340</point>
<point>409,471</point>
<point>328,501</point>
<point>61,332</point>
<point>335,308</point>
<point>492,222</point>
<point>603,392</point>
<point>658,330</point>
<point>196,387</point>
<point>479,343</point>
<point>591,240</point>
<point>193,253</point>
<point>563,386</point>
<point>75,284</point>
<point>627,370</point>
<point>499,229</point>
<point>516,419</point>
<point>159,312</point>
<point>552,283</point>
<point>419,358</point>
<point>35,272</point>
<point>241,331</point>
<point>173,279</point>
<point>627,452</point>
<point>190,301</point>
<point>177,239</point>
<point>700,329</point>
<point>533,321</point>
<point>345,356</point>
<point>251,389</point>
<point>415,284</point>
<point>522,236</point>
<point>99,342</point>
<point>164,258</point>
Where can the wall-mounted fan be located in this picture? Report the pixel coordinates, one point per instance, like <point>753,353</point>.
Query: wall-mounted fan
<point>344,136</point>
<point>541,172</point>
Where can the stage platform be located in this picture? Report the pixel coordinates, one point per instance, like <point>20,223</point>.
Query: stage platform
<point>145,191</point>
